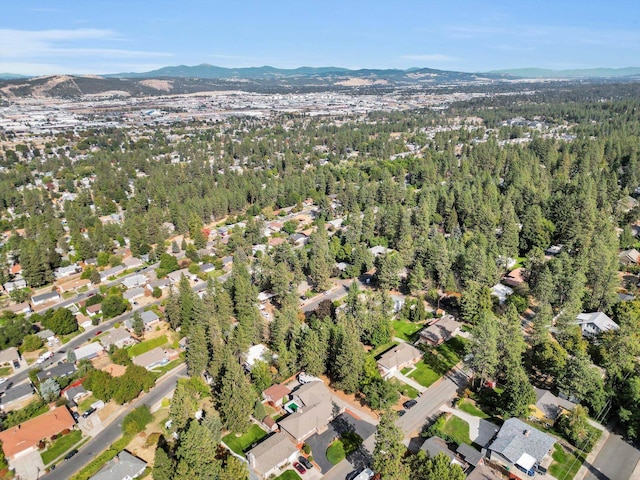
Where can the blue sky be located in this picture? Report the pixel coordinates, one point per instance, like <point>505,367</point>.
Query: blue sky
<point>95,36</point>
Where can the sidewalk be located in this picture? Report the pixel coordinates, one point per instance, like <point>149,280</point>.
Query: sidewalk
<point>409,381</point>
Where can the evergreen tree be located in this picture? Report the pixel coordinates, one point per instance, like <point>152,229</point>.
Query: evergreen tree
<point>388,451</point>
<point>320,258</point>
<point>137,324</point>
<point>236,398</point>
<point>349,360</point>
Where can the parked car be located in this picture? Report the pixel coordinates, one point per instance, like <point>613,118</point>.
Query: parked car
<point>305,461</point>
<point>88,412</point>
<point>409,403</point>
<point>2,380</point>
<point>299,468</point>
<point>16,364</point>
<point>98,333</point>
<point>70,454</point>
<point>401,412</point>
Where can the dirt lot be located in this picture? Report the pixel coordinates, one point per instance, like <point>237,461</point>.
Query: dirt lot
<point>144,444</point>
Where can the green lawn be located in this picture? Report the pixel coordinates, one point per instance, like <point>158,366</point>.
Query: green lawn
<point>444,357</point>
<point>4,371</point>
<point>383,348</point>
<point>240,444</point>
<point>60,446</point>
<point>159,371</point>
<point>335,452</point>
<point>405,330</point>
<point>84,405</point>
<point>424,374</point>
<point>457,429</point>
<point>289,475</point>
<point>143,347</point>
<point>565,465</point>
<point>468,406</point>
<point>406,390</point>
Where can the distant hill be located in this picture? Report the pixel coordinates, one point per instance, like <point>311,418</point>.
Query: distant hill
<point>12,76</point>
<point>581,73</point>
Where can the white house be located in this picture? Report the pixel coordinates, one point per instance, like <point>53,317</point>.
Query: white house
<point>595,323</point>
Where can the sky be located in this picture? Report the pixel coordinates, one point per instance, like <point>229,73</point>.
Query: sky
<point>39,37</point>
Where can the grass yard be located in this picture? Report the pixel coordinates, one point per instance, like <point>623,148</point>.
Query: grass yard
<point>144,347</point>
<point>444,357</point>
<point>335,452</point>
<point>383,348</point>
<point>161,370</point>
<point>85,404</point>
<point>60,446</point>
<point>406,390</point>
<point>469,407</point>
<point>424,374</point>
<point>565,464</point>
<point>4,371</point>
<point>405,330</point>
<point>289,475</point>
<point>457,429</point>
<point>240,444</point>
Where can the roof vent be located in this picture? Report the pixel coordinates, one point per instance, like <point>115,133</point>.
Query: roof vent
<point>526,433</point>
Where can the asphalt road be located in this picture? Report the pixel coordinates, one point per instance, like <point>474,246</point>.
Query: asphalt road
<point>615,461</point>
<point>113,431</point>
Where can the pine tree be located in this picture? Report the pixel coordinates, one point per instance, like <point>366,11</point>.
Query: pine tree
<point>349,360</point>
<point>389,451</point>
<point>236,398</point>
<point>137,324</point>
<point>320,258</point>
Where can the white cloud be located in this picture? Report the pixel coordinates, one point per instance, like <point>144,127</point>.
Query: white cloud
<point>430,57</point>
<point>45,44</point>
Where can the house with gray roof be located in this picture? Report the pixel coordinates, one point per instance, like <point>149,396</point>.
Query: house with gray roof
<point>148,318</point>
<point>111,272</point>
<point>133,293</point>
<point>518,443</point>
<point>595,323</point>
<point>120,337</point>
<point>74,394</point>
<point>9,355</point>
<point>152,358</point>
<point>439,332</point>
<point>16,396</point>
<point>133,281</point>
<point>59,371</point>
<point>123,467</point>
<point>432,446</point>
<point>45,298</point>
<point>271,454</point>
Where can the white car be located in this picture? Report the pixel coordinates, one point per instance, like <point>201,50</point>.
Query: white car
<point>2,380</point>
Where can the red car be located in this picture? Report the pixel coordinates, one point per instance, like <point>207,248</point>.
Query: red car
<point>98,333</point>
<point>299,467</point>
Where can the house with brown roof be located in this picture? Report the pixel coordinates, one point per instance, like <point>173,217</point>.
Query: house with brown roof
<point>276,451</point>
<point>514,277</point>
<point>441,331</point>
<point>399,357</point>
<point>25,437</point>
<point>315,408</point>
<point>275,394</point>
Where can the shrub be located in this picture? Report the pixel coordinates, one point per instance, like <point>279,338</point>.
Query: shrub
<point>306,448</point>
<point>137,420</point>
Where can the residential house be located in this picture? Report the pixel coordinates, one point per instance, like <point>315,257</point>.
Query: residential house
<point>432,446</point>
<point>25,437</point>
<point>399,357</point>
<point>501,291</point>
<point>18,308</point>
<point>315,408</point>
<point>629,257</point>
<point>17,284</point>
<point>379,250</point>
<point>46,335</point>
<point>16,397</point>
<point>255,353</point>
<point>73,285</point>
<point>163,284</point>
<point>75,394</point>
<point>89,351</point>
<point>548,408</point>
<point>149,318</point>
<point>553,250</point>
<point>227,263</point>
<point>207,267</point>
<point>123,467</point>
<point>470,455</point>
<point>519,444</point>
<point>132,262</point>
<point>439,332</point>
<point>514,277</point>
<point>274,452</point>
<point>275,394</point>
<point>45,298</point>
<point>133,293</point>
<point>64,272</point>
<point>111,272</point>
<point>120,337</point>
<point>398,302</point>
<point>175,277</point>
<point>275,241</point>
<point>152,359</point>
<point>59,371</point>
<point>93,310</point>
<point>298,239</point>
<point>264,296</point>
<point>9,355</point>
<point>137,280</point>
<point>595,323</point>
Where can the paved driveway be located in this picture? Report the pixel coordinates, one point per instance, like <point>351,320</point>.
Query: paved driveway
<point>344,423</point>
<point>28,466</point>
<point>615,461</point>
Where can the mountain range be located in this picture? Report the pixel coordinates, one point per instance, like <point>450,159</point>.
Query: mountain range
<point>190,79</point>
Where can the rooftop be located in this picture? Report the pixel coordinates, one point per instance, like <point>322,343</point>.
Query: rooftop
<point>516,438</point>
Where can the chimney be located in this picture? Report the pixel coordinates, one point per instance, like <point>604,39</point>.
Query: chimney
<point>526,433</point>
